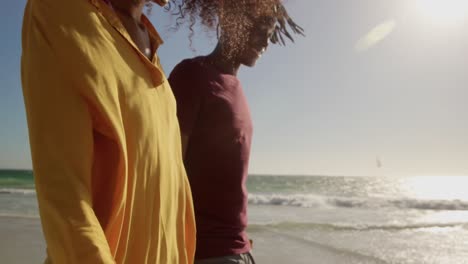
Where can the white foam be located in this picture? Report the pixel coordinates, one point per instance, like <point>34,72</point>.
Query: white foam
<point>17,191</point>
<point>18,215</point>
<point>300,200</point>
<point>317,201</point>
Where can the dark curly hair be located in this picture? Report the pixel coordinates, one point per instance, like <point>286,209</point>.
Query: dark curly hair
<point>235,17</point>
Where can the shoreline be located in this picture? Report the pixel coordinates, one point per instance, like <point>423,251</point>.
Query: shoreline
<point>24,243</point>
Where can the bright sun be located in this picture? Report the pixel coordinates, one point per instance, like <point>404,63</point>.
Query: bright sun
<point>444,11</point>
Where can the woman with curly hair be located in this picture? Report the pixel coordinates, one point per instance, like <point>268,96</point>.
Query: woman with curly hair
<point>215,119</point>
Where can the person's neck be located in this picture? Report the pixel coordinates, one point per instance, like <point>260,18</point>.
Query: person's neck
<point>129,9</point>
<point>223,63</point>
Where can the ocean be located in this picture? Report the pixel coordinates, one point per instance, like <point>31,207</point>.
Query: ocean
<point>363,219</point>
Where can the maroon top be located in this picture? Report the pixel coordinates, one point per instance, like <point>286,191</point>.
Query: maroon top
<point>213,112</point>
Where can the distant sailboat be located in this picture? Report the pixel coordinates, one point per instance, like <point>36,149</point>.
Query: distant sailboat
<point>378,162</point>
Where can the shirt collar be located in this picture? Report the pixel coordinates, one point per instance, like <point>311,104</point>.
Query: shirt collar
<point>105,8</point>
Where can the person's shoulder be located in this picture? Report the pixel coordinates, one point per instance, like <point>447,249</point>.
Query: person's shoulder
<point>66,25</point>
<point>190,65</point>
<point>188,69</point>
<point>67,12</point>
<point>189,76</point>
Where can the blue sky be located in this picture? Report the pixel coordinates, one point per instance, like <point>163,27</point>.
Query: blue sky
<point>372,78</point>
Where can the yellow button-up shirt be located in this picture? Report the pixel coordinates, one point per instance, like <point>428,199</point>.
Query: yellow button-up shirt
<point>105,139</point>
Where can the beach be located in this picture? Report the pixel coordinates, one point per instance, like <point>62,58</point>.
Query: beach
<point>305,220</point>
<point>23,242</point>
<point>276,248</point>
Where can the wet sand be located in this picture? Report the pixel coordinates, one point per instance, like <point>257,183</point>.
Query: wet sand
<point>22,242</point>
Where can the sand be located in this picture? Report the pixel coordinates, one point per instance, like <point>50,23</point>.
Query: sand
<point>22,242</point>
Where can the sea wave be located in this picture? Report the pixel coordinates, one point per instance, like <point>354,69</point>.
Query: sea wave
<point>17,191</point>
<point>18,215</point>
<point>356,226</point>
<point>317,201</point>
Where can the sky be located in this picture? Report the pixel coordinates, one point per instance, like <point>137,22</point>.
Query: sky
<point>376,88</point>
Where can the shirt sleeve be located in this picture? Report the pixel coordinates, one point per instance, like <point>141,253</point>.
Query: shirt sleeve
<point>61,139</point>
<point>188,95</point>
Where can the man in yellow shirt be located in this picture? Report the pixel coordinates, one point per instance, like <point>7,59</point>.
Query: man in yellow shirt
<point>104,135</point>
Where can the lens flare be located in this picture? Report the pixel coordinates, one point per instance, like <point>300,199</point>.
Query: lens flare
<point>375,35</point>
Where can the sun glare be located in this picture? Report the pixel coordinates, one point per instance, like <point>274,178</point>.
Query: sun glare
<point>444,11</point>
<point>436,187</point>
